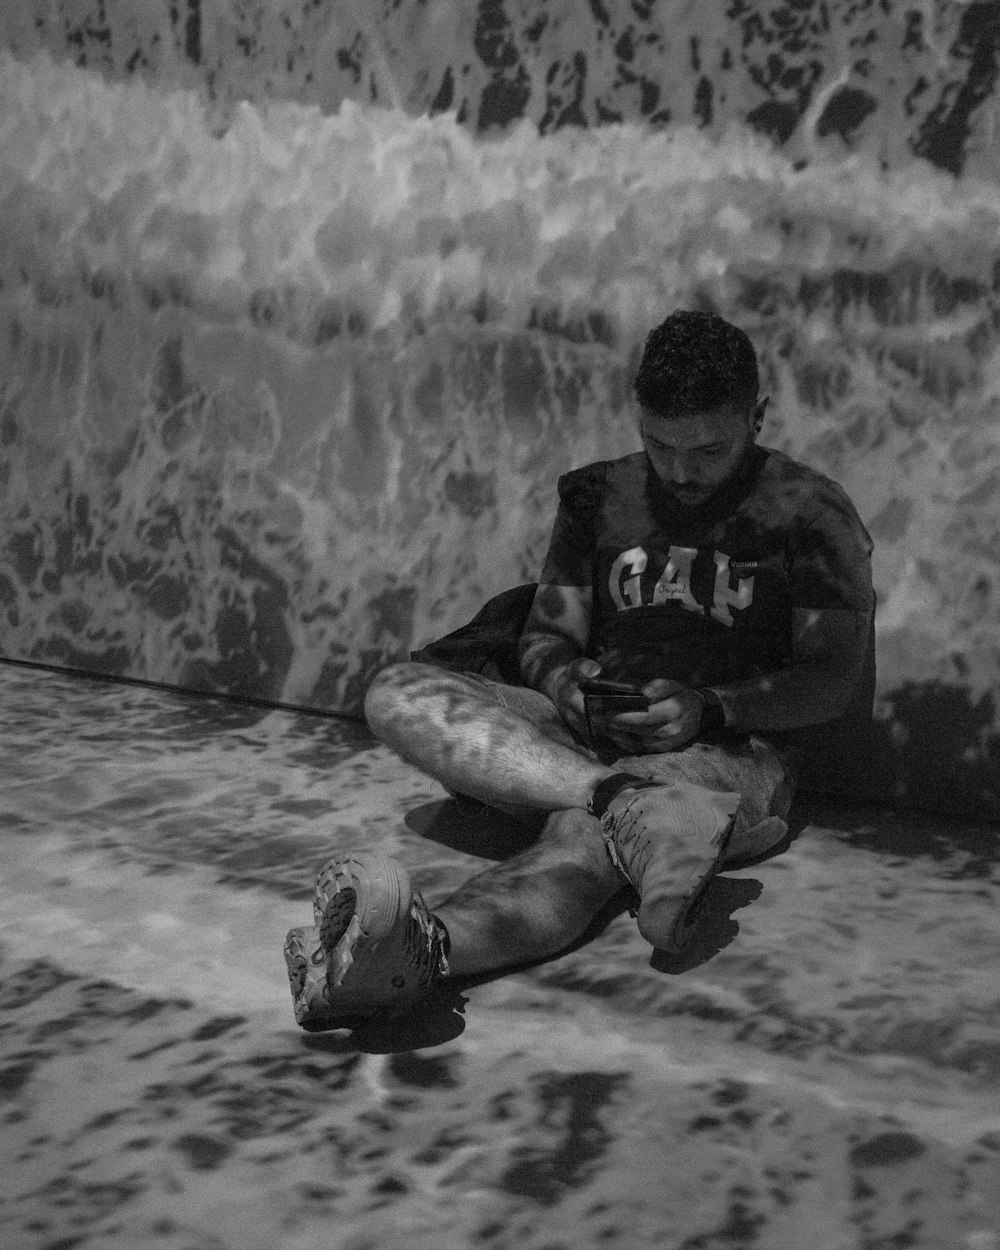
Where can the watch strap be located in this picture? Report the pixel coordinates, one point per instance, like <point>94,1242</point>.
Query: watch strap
<point>713,714</point>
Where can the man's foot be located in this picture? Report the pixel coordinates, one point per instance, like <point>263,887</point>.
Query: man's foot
<point>375,949</point>
<point>668,841</point>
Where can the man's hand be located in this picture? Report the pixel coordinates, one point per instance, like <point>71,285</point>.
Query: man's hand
<point>563,688</point>
<point>670,723</point>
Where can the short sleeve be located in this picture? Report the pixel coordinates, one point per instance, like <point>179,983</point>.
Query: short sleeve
<point>831,561</point>
<point>569,561</point>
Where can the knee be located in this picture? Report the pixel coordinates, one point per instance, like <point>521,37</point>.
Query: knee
<point>389,693</point>
<point>399,696</point>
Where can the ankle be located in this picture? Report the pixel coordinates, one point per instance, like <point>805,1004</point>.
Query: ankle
<point>607,790</point>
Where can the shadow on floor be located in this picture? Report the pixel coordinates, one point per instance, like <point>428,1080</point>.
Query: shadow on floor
<point>962,848</point>
<point>419,1031</point>
<point>473,828</point>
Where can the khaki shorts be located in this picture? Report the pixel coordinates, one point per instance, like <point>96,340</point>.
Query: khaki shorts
<point>748,766</point>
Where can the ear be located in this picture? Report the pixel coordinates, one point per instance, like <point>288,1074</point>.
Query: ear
<point>757,420</point>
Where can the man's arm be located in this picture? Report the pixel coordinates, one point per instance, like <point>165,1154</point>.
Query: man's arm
<point>555,634</point>
<point>552,646</point>
<point>830,582</point>
<point>828,654</point>
<point>557,630</point>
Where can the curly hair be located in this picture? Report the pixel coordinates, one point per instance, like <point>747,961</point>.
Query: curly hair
<point>696,362</point>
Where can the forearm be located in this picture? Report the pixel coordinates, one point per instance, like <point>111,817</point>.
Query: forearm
<point>828,657</point>
<point>791,698</point>
<point>543,656</point>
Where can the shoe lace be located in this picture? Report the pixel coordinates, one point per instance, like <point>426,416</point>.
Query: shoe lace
<point>425,943</point>
<point>621,830</point>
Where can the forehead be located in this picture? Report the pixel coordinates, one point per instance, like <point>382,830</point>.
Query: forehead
<point>698,429</point>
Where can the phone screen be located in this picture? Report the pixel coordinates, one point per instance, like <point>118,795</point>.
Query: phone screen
<point>602,699</point>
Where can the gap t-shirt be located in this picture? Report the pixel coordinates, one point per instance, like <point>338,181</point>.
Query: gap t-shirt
<point>705,595</point>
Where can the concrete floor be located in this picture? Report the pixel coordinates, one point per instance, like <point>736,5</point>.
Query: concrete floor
<point>823,1071</point>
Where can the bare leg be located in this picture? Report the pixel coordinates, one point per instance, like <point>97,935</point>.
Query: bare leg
<point>535,904</point>
<point>448,726</point>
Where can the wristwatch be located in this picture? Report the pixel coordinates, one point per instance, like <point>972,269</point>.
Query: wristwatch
<point>713,714</point>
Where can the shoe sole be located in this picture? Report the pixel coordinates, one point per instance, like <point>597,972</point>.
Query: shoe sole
<point>756,841</point>
<point>356,900</point>
<point>311,1009</point>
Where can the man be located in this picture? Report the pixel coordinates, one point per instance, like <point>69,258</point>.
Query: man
<point>728,582</point>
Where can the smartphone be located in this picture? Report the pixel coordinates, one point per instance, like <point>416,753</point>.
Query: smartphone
<point>605,698</point>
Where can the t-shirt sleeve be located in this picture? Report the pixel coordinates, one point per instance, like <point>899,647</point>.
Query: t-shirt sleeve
<point>831,563</point>
<point>569,561</point>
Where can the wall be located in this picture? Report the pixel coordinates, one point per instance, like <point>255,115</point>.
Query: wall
<point>283,392</point>
<point>893,79</point>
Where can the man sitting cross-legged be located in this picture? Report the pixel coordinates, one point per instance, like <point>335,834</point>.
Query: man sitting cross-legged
<point>728,582</point>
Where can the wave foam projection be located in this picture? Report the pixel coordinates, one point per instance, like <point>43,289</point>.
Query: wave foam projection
<point>397,219</point>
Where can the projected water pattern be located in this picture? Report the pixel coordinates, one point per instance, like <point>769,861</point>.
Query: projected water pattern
<point>821,1069</point>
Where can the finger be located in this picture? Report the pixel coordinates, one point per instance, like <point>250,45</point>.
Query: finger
<point>661,688</point>
<point>664,710</point>
<point>632,721</point>
<point>658,714</point>
<point>579,718</point>
<point>670,736</point>
<point>587,668</point>
<point>674,739</point>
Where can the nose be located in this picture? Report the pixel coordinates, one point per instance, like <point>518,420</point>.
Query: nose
<point>681,471</point>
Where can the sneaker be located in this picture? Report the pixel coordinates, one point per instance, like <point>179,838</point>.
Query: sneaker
<point>375,949</point>
<point>753,841</point>
<point>668,841</point>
